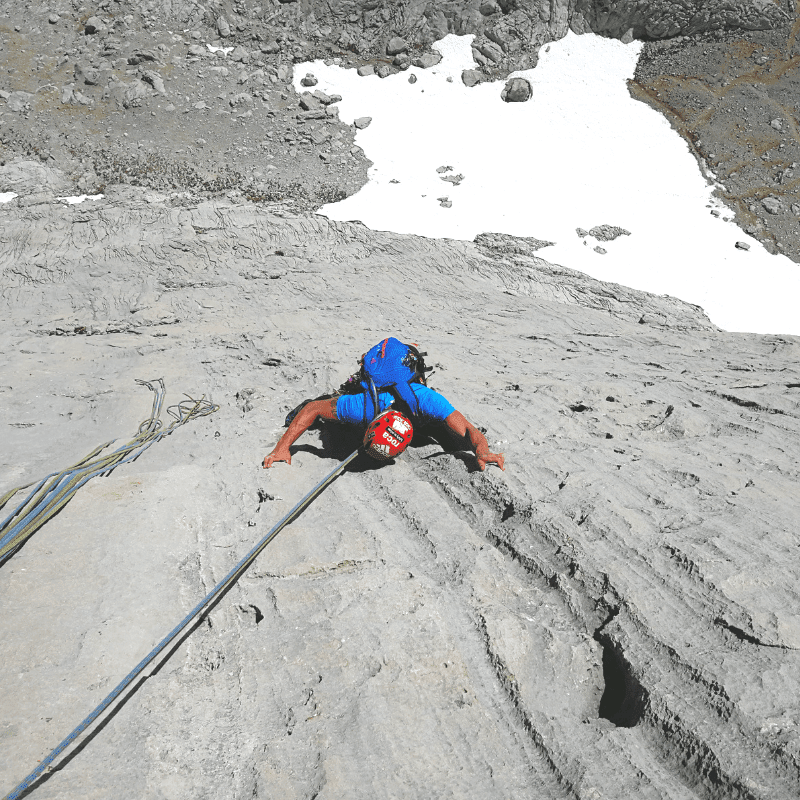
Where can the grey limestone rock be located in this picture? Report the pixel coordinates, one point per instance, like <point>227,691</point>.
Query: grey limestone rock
<point>424,628</point>
<point>366,69</point>
<point>516,90</point>
<point>18,101</point>
<point>94,25</point>
<point>362,122</point>
<point>154,79</point>
<point>308,102</point>
<point>492,51</point>
<point>427,60</point>
<point>607,233</point>
<point>772,204</point>
<point>504,244</point>
<point>241,100</point>
<point>223,27</point>
<point>133,94</point>
<point>471,77</point>
<point>396,45</point>
<point>308,80</point>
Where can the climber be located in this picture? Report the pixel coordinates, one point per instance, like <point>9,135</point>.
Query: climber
<point>390,374</point>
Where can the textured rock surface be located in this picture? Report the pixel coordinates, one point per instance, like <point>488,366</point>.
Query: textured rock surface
<point>723,93</point>
<point>614,616</point>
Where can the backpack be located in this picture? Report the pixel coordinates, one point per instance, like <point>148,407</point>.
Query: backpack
<point>394,366</point>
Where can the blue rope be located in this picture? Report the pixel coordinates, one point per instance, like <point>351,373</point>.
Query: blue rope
<point>229,579</point>
<point>67,482</point>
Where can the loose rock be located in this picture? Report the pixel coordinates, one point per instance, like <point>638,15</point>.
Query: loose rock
<point>154,79</point>
<point>366,69</point>
<point>427,60</point>
<point>742,246</point>
<point>395,46</point>
<point>94,25</point>
<point>309,80</point>
<point>607,233</point>
<point>517,90</point>
<point>362,122</point>
<point>241,100</point>
<point>471,77</point>
<point>18,101</point>
<point>772,204</point>
<point>223,28</point>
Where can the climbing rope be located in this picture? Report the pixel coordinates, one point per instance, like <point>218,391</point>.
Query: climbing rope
<point>55,490</point>
<point>226,582</point>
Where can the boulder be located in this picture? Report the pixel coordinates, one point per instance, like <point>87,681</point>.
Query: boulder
<point>223,28</point>
<point>517,90</point>
<point>427,60</point>
<point>242,100</point>
<point>471,77</point>
<point>395,46</point>
<point>94,25</point>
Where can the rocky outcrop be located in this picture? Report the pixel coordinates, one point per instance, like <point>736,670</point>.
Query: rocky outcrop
<point>612,616</point>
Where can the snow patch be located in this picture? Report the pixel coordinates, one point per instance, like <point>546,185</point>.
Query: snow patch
<point>579,154</point>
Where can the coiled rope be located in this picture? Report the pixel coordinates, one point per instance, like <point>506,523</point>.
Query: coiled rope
<point>54,491</point>
<point>227,581</point>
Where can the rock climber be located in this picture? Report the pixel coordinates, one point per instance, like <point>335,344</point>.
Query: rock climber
<point>392,373</point>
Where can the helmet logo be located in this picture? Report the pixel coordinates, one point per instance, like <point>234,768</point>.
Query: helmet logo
<point>388,435</point>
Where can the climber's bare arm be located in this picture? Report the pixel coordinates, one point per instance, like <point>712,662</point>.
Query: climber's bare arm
<point>299,425</point>
<point>461,426</point>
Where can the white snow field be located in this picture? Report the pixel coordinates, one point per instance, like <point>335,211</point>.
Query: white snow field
<point>580,153</point>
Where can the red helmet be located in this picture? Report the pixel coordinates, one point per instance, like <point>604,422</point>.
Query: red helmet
<point>388,435</point>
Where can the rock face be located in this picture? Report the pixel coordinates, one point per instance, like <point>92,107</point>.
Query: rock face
<point>612,616</point>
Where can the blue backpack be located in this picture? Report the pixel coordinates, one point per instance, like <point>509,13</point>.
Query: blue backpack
<point>393,366</point>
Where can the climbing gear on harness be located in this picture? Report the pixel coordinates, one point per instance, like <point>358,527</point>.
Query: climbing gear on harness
<point>394,366</point>
<point>54,491</point>
<point>388,435</point>
<point>215,593</point>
